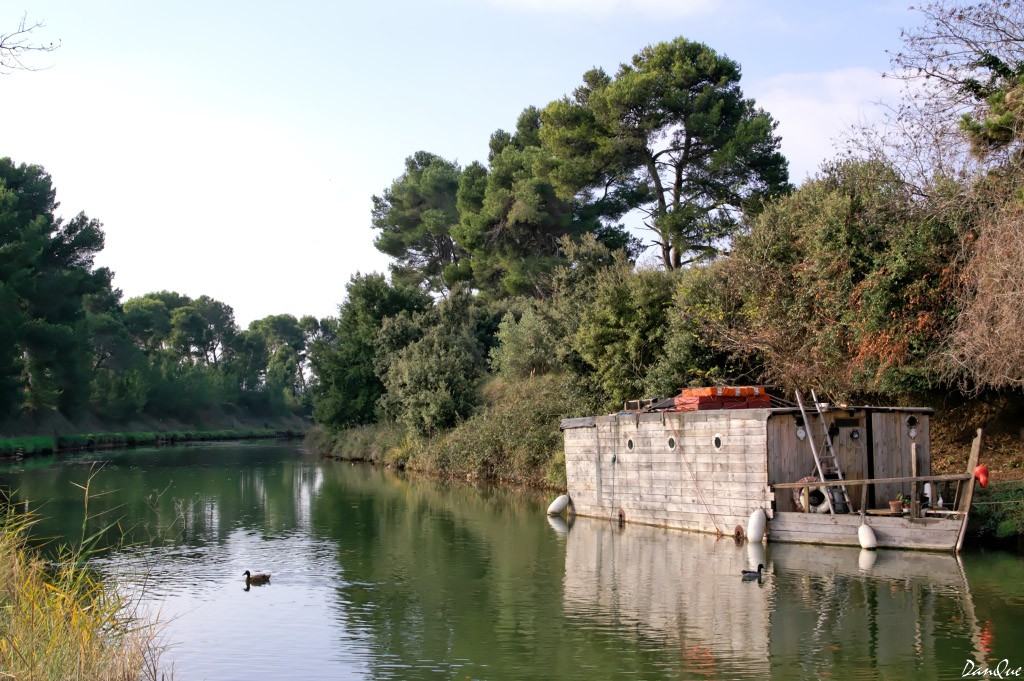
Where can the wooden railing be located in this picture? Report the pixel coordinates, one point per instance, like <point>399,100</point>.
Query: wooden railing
<point>915,503</point>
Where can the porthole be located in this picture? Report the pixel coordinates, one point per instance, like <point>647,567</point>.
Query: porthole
<point>717,441</point>
<point>629,444</point>
<point>671,443</point>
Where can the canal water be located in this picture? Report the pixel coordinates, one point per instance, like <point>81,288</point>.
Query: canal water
<point>381,576</point>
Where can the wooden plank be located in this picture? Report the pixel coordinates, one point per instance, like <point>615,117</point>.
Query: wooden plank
<point>585,422</point>
<point>915,504</point>
<point>901,530</point>
<point>841,483</point>
<point>850,538</point>
<point>882,444</point>
<point>929,534</point>
<point>968,496</point>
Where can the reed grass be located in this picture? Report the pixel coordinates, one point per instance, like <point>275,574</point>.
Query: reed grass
<point>13,446</point>
<point>60,621</point>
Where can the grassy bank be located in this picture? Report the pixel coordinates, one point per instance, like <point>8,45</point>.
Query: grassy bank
<point>27,446</point>
<point>513,438</point>
<point>61,621</point>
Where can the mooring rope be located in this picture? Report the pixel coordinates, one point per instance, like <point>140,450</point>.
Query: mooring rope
<point>701,495</point>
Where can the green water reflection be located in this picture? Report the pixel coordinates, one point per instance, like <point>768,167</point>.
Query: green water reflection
<point>379,576</point>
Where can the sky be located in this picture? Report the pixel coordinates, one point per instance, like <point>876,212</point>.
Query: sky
<point>231,147</point>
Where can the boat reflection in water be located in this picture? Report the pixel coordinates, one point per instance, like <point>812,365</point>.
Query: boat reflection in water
<point>817,612</point>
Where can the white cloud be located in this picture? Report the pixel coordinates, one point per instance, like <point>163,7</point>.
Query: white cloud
<point>815,109</point>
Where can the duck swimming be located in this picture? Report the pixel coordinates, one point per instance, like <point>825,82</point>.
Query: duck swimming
<point>753,574</point>
<point>258,578</point>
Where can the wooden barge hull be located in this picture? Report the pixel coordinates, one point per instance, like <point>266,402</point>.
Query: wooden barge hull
<point>709,471</point>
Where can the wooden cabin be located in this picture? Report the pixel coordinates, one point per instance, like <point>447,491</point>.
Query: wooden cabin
<point>708,471</point>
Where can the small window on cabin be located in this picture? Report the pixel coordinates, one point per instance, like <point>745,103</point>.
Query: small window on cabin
<point>629,444</point>
<point>717,441</point>
<point>671,443</point>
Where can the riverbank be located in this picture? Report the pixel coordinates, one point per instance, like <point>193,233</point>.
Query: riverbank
<point>59,620</point>
<point>40,445</point>
<point>40,434</point>
<point>513,439</point>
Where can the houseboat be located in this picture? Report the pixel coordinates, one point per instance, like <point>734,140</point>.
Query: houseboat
<point>713,459</point>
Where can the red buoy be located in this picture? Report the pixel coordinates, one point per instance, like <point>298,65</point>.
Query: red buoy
<point>981,473</point>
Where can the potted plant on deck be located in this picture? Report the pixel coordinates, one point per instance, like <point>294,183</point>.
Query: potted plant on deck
<point>897,504</point>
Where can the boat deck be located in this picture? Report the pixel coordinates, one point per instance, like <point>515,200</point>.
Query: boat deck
<point>931,533</point>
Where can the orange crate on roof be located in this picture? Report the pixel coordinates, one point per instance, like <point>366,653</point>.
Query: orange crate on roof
<point>696,406</point>
<point>700,392</point>
<point>725,392</point>
<point>679,401</point>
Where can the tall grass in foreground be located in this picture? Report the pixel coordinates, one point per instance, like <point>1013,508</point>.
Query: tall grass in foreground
<point>61,621</point>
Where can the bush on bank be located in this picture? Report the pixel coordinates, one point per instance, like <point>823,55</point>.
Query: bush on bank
<point>513,438</point>
<point>997,512</point>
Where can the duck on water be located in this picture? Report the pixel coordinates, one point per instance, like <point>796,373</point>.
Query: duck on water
<point>257,578</point>
<point>753,574</point>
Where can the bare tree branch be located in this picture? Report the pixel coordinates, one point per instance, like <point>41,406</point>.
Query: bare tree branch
<point>18,45</point>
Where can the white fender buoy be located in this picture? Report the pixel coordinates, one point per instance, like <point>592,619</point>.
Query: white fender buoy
<point>866,559</point>
<point>558,524</point>
<point>558,505</point>
<point>756,525</point>
<point>867,537</point>
<point>756,554</point>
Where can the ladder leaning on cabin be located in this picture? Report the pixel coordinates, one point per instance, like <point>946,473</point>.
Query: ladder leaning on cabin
<point>828,463</point>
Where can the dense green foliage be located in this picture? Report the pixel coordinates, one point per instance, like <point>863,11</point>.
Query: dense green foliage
<point>847,284</point>
<point>998,511</point>
<point>46,272</point>
<point>68,344</point>
<point>513,437</point>
<point>430,364</point>
<point>672,136</point>
<point>416,216</point>
<point>889,276</point>
<point>856,283</point>
<point>348,387</point>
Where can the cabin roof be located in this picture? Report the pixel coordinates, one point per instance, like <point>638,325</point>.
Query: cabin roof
<point>591,421</point>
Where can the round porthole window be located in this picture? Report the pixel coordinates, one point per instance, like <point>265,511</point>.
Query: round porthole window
<point>629,444</point>
<point>671,443</point>
<point>717,441</point>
